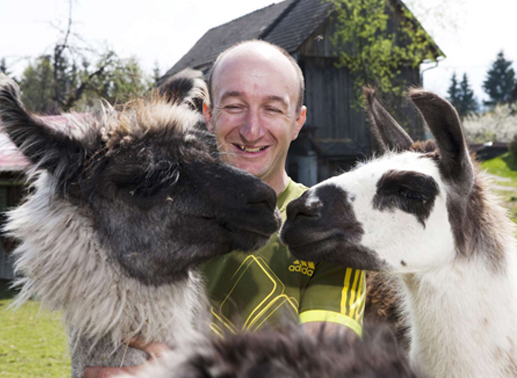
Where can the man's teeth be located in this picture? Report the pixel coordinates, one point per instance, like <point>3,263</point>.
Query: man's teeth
<point>250,149</point>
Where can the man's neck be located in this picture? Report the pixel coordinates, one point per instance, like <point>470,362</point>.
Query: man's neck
<point>278,183</point>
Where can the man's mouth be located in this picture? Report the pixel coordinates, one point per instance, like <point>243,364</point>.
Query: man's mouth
<point>250,149</point>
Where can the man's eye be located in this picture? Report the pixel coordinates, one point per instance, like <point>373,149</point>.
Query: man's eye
<point>233,107</point>
<point>273,110</point>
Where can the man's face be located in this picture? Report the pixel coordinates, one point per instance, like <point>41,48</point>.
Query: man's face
<point>254,116</point>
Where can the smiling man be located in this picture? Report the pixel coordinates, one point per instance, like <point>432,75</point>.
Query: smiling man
<point>257,95</point>
<point>256,111</point>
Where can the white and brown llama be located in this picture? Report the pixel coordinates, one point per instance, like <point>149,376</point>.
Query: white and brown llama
<point>122,210</point>
<point>423,212</point>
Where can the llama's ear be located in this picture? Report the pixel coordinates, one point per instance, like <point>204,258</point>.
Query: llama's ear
<point>443,120</point>
<point>41,144</point>
<point>388,133</point>
<point>187,87</point>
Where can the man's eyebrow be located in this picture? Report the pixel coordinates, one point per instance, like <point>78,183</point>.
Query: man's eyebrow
<point>282,100</point>
<point>231,94</point>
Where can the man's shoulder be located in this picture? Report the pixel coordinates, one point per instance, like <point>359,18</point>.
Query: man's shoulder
<point>298,186</point>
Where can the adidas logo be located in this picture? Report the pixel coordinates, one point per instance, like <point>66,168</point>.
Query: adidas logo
<point>304,267</point>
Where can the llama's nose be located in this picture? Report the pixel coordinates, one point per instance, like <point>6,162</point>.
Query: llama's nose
<point>305,206</point>
<point>263,195</point>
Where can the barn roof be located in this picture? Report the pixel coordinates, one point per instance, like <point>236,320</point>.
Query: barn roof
<point>287,24</point>
<point>214,41</point>
<point>12,160</point>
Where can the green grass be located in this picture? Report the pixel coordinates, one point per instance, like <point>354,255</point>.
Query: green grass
<point>505,166</point>
<point>32,340</point>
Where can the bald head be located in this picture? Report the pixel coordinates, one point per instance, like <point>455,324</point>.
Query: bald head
<point>260,54</point>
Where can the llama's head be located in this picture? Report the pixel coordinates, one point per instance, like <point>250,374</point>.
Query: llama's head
<point>148,180</point>
<point>404,211</point>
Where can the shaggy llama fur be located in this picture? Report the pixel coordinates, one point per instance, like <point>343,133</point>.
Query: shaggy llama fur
<point>121,212</point>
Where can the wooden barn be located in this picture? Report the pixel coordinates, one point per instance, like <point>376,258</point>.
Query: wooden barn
<point>335,134</point>
<point>12,164</point>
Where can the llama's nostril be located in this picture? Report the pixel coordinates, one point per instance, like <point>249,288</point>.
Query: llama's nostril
<point>265,197</point>
<point>301,209</point>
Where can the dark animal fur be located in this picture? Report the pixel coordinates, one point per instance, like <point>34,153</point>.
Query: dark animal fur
<point>122,211</point>
<point>291,353</point>
<point>411,192</point>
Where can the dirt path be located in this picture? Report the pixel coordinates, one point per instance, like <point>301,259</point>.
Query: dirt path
<point>496,186</point>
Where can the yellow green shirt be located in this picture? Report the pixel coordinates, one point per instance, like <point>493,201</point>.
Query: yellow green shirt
<point>248,290</point>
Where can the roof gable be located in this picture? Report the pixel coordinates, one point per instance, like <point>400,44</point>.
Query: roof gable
<point>251,26</point>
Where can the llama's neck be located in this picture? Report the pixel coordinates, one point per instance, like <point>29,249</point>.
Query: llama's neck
<point>63,264</point>
<point>463,319</point>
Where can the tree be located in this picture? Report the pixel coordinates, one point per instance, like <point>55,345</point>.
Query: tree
<point>454,91</point>
<point>122,80</point>
<point>37,85</point>
<point>156,72</point>
<point>468,103</point>
<point>3,67</point>
<point>461,96</point>
<point>375,47</point>
<point>75,76</point>
<point>500,81</point>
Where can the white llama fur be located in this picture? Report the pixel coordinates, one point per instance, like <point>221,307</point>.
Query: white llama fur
<point>462,311</point>
<point>460,299</point>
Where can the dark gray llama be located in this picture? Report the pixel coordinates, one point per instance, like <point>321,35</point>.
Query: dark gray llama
<point>122,210</point>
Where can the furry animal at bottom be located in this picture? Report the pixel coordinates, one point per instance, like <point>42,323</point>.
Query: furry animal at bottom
<point>287,352</point>
<point>122,210</point>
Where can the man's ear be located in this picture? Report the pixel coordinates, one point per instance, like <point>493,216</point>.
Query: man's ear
<point>300,121</point>
<point>207,114</point>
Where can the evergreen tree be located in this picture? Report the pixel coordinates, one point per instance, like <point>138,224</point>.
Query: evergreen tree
<point>500,81</point>
<point>454,92</point>
<point>37,85</point>
<point>461,96</point>
<point>468,103</point>
<point>156,72</point>
<point>3,67</point>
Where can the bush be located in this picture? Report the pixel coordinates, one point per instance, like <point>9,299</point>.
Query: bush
<point>497,125</point>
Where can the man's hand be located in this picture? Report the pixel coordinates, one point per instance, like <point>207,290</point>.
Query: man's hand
<point>154,350</point>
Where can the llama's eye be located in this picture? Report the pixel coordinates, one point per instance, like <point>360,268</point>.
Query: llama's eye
<point>412,195</point>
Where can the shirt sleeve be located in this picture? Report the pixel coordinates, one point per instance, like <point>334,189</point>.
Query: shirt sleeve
<point>335,294</point>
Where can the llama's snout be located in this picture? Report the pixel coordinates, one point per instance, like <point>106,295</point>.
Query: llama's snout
<point>262,195</point>
<point>321,226</point>
<point>305,206</point>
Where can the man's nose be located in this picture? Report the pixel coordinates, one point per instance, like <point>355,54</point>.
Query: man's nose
<point>252,129</point>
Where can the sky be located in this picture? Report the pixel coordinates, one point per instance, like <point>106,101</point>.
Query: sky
<point>470,32</point>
